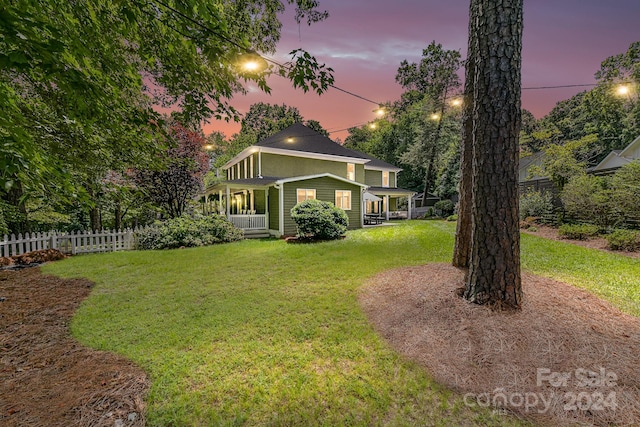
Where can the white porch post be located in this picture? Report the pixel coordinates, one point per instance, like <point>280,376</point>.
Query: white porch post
<point>386,207</point>
<point>266,207</point>
<point>362,203</point>
<point>281,213</point>
<point>228,204</point>
<point>409,198</point>
<point>252,205</point>
<point>220,202</point>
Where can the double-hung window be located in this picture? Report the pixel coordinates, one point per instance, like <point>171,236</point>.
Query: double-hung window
<point>343,199</point>
<point>305,194</point>
<point>351,171</point>
<point>385,178</point>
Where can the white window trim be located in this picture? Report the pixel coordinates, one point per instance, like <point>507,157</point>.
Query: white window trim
<point>246,169</point>
<point>383,180</point>
<point>342,199</point>
<point>306,195</point>
<point>351,176</point>
<point>251,166</point>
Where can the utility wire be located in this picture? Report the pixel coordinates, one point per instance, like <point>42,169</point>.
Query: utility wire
<point>285,66</point>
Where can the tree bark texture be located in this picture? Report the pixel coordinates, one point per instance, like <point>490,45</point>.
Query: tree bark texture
<point>494,268</point>
<point>462,248</point>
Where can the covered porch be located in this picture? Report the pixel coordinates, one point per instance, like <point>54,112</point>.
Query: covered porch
<point>245,204</point>
<point>387,203</point>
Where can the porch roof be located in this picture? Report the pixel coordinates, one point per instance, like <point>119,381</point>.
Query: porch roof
<point>265,181</point>
<point>390,191</point>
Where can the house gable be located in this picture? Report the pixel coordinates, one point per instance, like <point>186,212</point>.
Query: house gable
<point>325,186</point>
<point>619,158</point>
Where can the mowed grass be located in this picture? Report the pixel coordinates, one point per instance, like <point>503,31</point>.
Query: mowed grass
<point>269,333</point>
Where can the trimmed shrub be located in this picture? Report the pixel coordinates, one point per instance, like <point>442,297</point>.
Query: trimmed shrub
<point>452,218</point>
<point>446,207</point>
<point>624,240</point>
<point>587,198</point>
<point>319,220</point>
<point>577,231</point>
<point>535,204</point>
<point>185,231</point>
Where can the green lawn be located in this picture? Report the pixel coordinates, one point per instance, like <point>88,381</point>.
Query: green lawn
<point>269,333</point>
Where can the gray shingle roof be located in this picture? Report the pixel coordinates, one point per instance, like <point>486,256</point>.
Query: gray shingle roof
<point>298,137</point>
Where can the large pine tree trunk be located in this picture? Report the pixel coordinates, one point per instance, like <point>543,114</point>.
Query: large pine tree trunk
<point>494,269</point>
<point>462,248</point>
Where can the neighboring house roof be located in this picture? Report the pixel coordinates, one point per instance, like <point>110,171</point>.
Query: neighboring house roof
<point>526,163</point>
<point>618,158</point>
<point>299,140</point>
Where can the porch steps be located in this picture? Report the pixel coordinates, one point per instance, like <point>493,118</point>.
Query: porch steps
<point>256,234</point>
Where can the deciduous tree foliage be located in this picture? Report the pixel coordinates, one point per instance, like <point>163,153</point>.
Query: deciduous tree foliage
<point>101,68</point>
<point>435,78</point>
<point>601,112</point>
<point>180,175</point>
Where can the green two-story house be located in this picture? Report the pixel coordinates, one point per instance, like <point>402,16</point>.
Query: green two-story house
<point>266,180</point>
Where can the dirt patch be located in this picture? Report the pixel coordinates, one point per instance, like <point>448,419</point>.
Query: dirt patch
<point>46,377</point>
<point>566,358</point>
<point>593,243</point>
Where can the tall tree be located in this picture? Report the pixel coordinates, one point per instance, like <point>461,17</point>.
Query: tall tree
<point>435,77</point>
<point>181,174</point>
<point>462,247</point>
<point>264,119</point>
<point>494,266</point>
<point>100,67</point>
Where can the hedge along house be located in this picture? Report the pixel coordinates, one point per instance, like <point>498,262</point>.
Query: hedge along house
<point>266,180</point>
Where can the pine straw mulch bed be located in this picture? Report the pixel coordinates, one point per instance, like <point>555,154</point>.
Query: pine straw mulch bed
<point>46,377</point>
<point>494,357</point>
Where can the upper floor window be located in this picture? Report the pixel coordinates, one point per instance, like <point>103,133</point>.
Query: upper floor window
<point>343,199</point>
<point>305,194</point>
<point>351,171</point>
<point>385,178</point>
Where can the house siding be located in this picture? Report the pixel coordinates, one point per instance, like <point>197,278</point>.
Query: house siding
<point>325,190</point>
<point>259,201</point>
<point>274,208</point>
<point>373,178</point>
<point>287,166</point>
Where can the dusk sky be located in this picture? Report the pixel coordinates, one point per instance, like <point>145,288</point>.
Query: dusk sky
<point>364,41</point>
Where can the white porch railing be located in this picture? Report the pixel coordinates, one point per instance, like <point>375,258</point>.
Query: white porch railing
<point>249,222</point>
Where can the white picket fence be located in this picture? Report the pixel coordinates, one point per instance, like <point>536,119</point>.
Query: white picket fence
<point>81,242</point>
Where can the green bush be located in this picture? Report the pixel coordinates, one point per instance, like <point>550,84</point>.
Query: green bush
<point>185,231</point>
<point>588,198</point>
<point>577,231</point>
<point>446,207</point>
<point>320,220</point>
<point>452,218</point>
<point>535,204</point>
<point>624,240</point>
<point>429,213</point>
